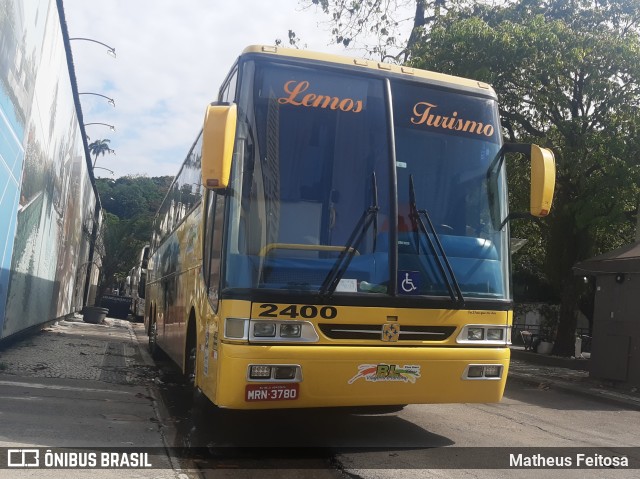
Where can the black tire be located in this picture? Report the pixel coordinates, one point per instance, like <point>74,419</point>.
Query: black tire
<point>190,365</point>
<point>154,349</point>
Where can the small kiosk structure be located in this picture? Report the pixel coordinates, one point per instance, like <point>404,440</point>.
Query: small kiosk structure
<point>615,347</point>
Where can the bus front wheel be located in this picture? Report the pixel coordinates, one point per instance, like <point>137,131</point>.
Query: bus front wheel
<point>154,350</point>
<point>190,373</point>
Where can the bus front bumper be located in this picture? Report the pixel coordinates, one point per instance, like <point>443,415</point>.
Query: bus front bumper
<point>334,376</point>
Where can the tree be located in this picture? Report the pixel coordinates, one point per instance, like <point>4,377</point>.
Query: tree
<point>379,25</point>
<point>568,77</point>
<point>131,203</point>
<point>122,247</point>
<point>99,147</point>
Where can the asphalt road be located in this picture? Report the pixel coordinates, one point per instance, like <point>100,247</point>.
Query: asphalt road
<point>409,443</point>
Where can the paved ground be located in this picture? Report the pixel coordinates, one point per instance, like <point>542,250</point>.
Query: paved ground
<point>570,375</point>
<point>76,384</point>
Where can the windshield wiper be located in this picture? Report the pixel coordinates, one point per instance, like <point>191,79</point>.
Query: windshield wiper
<point>369,217</point>
<point>416,216</point>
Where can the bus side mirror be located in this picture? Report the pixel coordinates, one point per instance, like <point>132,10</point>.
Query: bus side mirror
<point>543,180</point>
<point>218,138</point>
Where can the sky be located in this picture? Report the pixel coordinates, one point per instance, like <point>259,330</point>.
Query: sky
<point>171,58</point>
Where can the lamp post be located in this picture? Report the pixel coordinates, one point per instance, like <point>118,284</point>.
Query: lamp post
<point>103,168</point>
<point>111,127</point>
<point>110,50</point>
<point>109,100</point>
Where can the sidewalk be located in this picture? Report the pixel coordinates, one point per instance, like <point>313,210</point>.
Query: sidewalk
<point>76,384</point>
<point>570,375</point>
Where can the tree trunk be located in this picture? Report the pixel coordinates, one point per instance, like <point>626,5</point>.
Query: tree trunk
<point>566,334</point>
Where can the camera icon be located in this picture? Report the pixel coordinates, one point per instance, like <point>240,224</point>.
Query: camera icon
<point>23,458</point>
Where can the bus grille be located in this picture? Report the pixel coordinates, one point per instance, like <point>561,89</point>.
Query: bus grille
<point>374,331</point>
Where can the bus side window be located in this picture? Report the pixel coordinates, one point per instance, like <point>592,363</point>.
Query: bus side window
<point>228,93</point>
<point>213,246</point>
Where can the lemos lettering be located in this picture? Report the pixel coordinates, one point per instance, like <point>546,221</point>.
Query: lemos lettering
<point>296,89</point>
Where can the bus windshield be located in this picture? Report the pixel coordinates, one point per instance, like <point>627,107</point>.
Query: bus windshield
<point>313,178</point>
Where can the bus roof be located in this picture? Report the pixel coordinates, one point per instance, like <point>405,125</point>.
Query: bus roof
<point>409,72</point>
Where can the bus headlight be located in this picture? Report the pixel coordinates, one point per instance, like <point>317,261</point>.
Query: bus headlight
<point>492,371</point>
<point>483,371</point>
<point>290,330</point>
<point>264,329</point>
<point>475,334</point>
<point>291,373</point>
<point>485,334</point>
<point>285,372</point>
<point>495,334</point>
<point>259,371</point>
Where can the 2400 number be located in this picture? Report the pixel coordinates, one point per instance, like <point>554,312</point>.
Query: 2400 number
<point>293,311</point>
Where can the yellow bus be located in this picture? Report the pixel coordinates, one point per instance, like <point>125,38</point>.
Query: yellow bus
<point>135,284</point>
<point>338,236</point>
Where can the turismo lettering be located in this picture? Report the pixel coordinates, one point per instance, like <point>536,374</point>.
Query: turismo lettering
<point>423,116</point>
<point>295,89</point>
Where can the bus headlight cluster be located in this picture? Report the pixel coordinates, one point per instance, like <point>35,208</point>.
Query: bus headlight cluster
<point>274,372</point>
<point>275,330</point>
<point>485,334</point>
<point>259,330</point>
<point>483,371</point>
<point>268,329</point>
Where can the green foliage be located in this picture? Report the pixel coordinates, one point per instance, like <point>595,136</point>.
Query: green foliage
<point>130,203</point>
<point>132,196</point>
<point>568,77</point>
<point>122,246</point>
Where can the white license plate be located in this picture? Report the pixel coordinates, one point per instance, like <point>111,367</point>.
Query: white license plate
<point>271,392</point>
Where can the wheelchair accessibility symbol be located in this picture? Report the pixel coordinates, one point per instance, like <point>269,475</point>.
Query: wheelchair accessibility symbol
<point>408,282</point>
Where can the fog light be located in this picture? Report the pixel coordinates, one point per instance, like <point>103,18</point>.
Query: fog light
<point>264,330</point>
<point>475,334</point>
<point>259,372</point>
<point>494,334</point>
<point>492,371</point>
<point>475,371</point>
<point>284,372</point>
<point>290,330</point>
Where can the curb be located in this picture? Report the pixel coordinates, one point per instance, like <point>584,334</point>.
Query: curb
<point>602,395</point>
<point>549,361</point>
<point>183,468</point>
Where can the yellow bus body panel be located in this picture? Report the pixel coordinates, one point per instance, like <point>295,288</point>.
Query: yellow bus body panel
<point>330,367</point>
<point>329,375</point>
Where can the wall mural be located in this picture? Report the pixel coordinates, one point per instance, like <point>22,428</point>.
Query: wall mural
<point>47,200</point>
